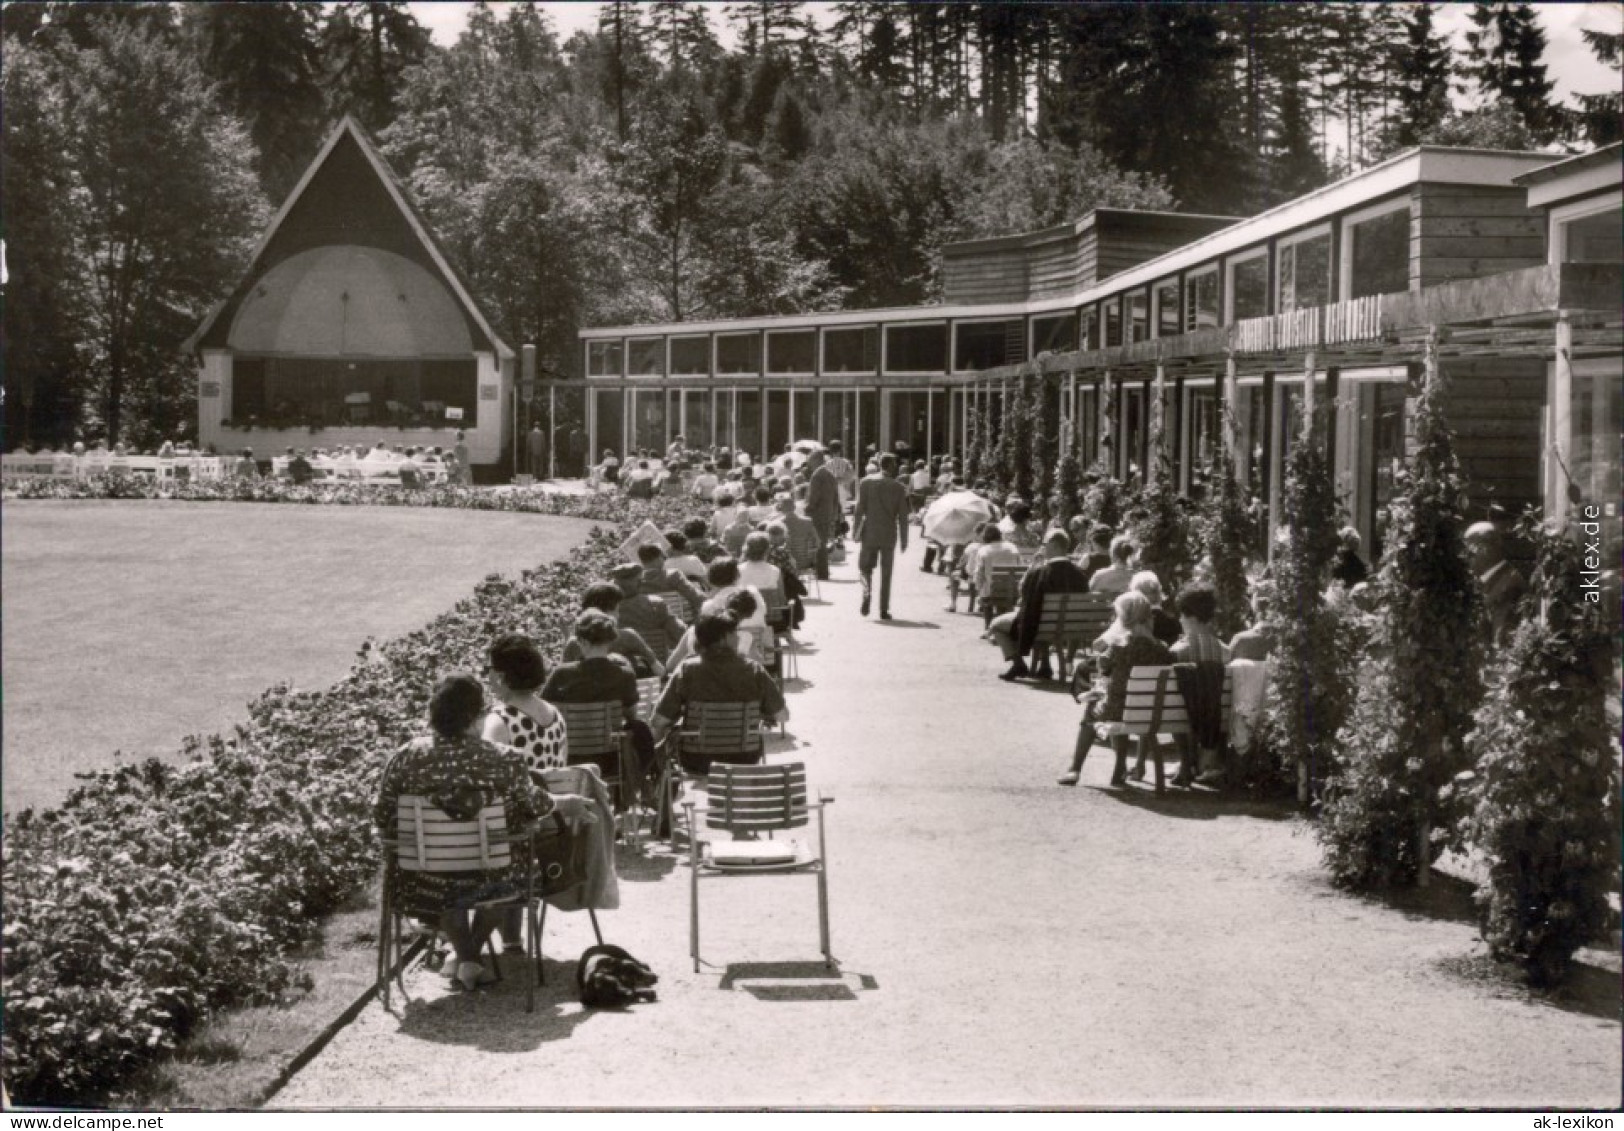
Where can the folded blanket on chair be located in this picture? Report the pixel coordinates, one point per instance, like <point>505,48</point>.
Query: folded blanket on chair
<point>601,891</point>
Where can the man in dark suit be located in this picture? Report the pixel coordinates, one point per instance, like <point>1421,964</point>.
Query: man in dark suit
<point>822,507</point>
<point>1016,633</point>
<point>881,519</point>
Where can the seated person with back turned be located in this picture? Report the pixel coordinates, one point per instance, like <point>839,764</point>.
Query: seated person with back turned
<point>718,674</point>
<point>460,773</point>
<point>662,576</point>
<point>1016,633</point>
<point>599,676</point>
<point>1127,644</point>
<point>605,597</point>
<point>649,617</point>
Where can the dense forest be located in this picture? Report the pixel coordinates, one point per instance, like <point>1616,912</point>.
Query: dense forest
<point>645,171</point>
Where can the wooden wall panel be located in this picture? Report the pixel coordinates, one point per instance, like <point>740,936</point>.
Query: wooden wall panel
<point>1495,407</point>
<point>1467,231</point>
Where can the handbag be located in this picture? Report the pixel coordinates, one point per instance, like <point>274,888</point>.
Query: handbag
<point>559,856</point>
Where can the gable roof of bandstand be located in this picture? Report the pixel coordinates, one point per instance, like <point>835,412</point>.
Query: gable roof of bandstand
<point>348,195</point>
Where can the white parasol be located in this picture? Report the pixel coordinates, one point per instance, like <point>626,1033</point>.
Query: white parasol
<point>952,519</point>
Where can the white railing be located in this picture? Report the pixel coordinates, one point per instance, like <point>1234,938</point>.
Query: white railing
<point>1356,320</point>
<point>66,465</point>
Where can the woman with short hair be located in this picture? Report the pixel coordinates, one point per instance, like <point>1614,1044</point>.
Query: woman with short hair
<point>459,773</point>
<point>1127,644</point>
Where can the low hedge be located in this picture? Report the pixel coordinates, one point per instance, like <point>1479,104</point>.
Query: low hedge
<point>159,893</point>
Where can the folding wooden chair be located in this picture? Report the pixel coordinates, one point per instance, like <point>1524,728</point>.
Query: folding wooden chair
<point>780,619</point>
<point>479,850</point>
<point>756,801</point>
<point>1070,622</point>
<point>712,733</point>
<point>597,738</point>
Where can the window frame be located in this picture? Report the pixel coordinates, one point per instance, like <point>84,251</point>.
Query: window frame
<point>823,349</point>
<point>767,350</point>
<point>1290,243</point>
<point>658,340</point>
<point>670,351</point>
<point>716,353</point>
<point>960,323</point>
<point>1191,277</point>
<point>885,348</point>
<point>1231,263</point>
<point>620,370</point>
<point>1156,288</point>
<point>1344,274</point>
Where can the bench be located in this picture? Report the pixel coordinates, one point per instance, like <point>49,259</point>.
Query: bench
<point>1154,707</point>
<point>1072,621</point>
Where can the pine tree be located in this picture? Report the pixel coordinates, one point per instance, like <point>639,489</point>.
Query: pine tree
<point>1505,52</point>
<point>1601,116</point>
<point>1422,64</point>
<point>265,62</point>
<point>1164,534</point>
<point>367,46</point>
<point>1406,738</point>
<point>682,30</point>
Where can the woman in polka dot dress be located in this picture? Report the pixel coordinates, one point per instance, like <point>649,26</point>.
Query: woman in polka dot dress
<point>521,718</point>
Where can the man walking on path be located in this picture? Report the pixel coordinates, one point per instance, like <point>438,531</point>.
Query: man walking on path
<point>823,508</point>
<point>881,520</point>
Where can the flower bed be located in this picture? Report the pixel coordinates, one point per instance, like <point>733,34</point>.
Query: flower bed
<point>609,507</point>
<point>159,893</point>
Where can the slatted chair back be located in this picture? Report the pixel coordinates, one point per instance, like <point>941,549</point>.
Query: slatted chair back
<point>756,799</point>
<point>777,611</point>
<point>655,638</point>
<point>1004,587</point>
<point>1074,620</point>
<point>723,730</point>
<point>674,602</point>
<point>592,730</point>
<point>429,840</point>
<point>648,695</point>
<point>1155,706</point>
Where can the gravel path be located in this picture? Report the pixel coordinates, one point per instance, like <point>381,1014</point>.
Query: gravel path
<point>1002,941</point>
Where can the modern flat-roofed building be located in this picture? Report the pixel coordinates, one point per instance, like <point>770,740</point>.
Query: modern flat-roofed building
<point>1344,286</point>
<point>350,327</point>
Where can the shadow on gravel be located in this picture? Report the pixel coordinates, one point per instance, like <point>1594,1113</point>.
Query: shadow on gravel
<point>1591,991</point>
<point>906,623</point>
<point>493,1019</point>
<point>641,867</point>
<point>796,981</point>
<point>1195,804</point>
<point>1445,897</point>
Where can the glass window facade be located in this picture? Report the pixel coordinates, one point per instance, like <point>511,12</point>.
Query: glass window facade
<point>1594,239</point>
<point>916,349</point>
<point>851,350</point>
<point>603,359</point>
<point>1054,332</point>
<point>608,406</point>
<point>1305,273</point>
<point>1111,314</point>
<point>792,352</point>
<point>645,357</point>
<point>1168,322</point>
<point>1249,288</point>
<point>1201,300</point>
<point>985,345</point>
<point>1379,254</point>
<point>1138,317</point>
<point>1088,328</point>
<point>738,354</point>
<point>690,357</point>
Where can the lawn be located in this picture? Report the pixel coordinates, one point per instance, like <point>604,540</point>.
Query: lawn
<point>128,625</point>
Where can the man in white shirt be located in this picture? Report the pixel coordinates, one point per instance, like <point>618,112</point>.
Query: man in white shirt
<point>705,483</point>
<point>919,485</point>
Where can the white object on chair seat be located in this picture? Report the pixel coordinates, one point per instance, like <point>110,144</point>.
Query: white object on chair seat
<point>753,853</point>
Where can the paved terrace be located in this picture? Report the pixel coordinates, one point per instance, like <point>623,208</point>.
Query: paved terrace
<point>1002,941</point>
